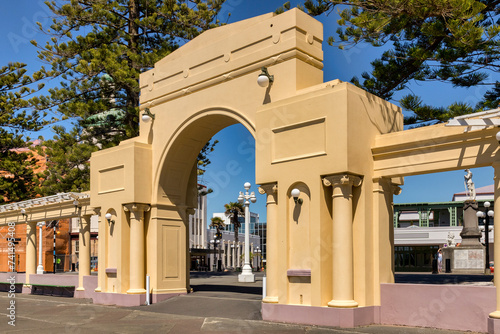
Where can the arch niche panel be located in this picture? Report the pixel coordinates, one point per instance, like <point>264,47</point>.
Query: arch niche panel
<point>299,246</point>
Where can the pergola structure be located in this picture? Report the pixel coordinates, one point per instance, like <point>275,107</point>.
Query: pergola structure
<point>477,121</point>
<point>55,207</point>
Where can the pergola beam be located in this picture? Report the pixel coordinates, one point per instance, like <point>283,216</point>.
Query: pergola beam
<point>433,149</point>
<point>60,206</point>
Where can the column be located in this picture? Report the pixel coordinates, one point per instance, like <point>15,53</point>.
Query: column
<point>271,190</point>
<point>137,254</point>
<point>224,253</point>
<point>453,215</point>
<point>39,269</point>
<point>342,257</point>
<point>233,255</point>
<point>30,250</point>
<point>396,218</point>
<point>203,223</point>
<point>101,252</point>
<point>84,250</point>
<point>238,254</point>
<point>383,233</point>
<point>496,250</point>
<point>252,251</point>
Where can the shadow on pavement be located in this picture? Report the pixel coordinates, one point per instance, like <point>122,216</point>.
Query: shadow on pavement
<point>441,278</point>
<point>254,290</point>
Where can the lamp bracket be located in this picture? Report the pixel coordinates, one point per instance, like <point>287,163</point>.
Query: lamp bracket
<point>148,113</point>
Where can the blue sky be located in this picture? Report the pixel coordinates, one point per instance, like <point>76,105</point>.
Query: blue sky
<point>233,161</point>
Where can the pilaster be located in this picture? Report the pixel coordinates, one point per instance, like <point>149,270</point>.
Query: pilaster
<point>84,250</point>
<point>137,252</point>
<point>271,190</point>
<point>30,250</point>
<point>496,251</point>
<point>342,243</point>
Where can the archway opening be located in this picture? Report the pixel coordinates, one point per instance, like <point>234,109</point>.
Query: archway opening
<point>213,258</point>
<point>429,215</point>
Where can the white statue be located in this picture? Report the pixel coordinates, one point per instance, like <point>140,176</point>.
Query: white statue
<point>451,239</point>
<point>469,185</point>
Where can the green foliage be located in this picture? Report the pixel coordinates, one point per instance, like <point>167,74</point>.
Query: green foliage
<point>203,157</point>
<point>68,156</point>
<point>424,113</point>
<point>99,48</point>
<point>233,211</point>
<point>96,52</point>
<point>17,181</point>
<point>218,223</point>
<point>452,41</point>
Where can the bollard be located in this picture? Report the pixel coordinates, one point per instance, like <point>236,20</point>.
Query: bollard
<point>264,292</point>
<point>148,294</point>
<point>435,266</point>
<point>448,265</point>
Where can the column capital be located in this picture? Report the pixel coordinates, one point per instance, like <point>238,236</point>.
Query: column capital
<point>394,188</point>
<point>397,190</point>
<point>40,224</point>
<point>185,209</point>
<point>342,180</point>
<point>268,188</point>
<point>136,207</point>
<point>96,211</point>
<point>87,215</point>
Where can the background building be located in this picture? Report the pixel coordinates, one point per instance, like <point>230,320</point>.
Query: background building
<point>75,243</point>
<point>230,253</point>
<point>62,247</point>
<point>420,229</point>
<point>198,240</point>
<point>254,223</point>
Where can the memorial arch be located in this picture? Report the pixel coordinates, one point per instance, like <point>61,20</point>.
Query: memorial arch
<point>149,182</point>
<point>343,148</point>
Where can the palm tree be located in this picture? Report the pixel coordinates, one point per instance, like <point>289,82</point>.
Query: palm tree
<point>218,223</point>
<point>233,211</point>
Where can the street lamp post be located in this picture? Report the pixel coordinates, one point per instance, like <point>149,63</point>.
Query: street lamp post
<point>486,216</point>
<point>214,266</point>
<point>257,253</point>
<point>219,260</point>
<point>246,274</point>
<point>39,269</point>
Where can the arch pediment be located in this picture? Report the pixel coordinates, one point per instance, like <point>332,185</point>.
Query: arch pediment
<point>228,52</point>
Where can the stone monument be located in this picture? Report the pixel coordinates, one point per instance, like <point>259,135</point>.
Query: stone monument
<point>469,257</point>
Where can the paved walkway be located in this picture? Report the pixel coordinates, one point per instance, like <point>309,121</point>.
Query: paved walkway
<point>219,304</point>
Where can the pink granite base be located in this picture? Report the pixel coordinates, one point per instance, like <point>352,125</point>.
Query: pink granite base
<point>156,298</point>
<point>493,326</point>
<point>454,307</point>
<point>321,316</point>
<point>26,289</point>
<point>120,299</point>
<point>89,286</point>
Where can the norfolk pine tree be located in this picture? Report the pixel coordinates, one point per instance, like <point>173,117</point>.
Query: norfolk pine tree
<point>17,181</point>
<point>96,52</point>
<point>455,41</point>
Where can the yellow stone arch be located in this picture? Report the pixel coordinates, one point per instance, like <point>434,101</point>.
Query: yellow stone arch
<point>203,87</point>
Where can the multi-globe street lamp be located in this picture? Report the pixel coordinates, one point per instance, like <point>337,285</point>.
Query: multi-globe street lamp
<point>214,265</point>
<point>486,215</point>
<point>245,198</point>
